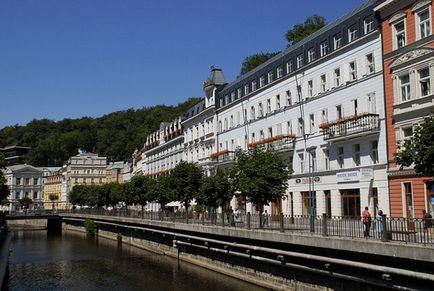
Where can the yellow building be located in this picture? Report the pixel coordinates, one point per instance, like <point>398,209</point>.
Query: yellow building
<point>52,189</point>
<point>115,172</point>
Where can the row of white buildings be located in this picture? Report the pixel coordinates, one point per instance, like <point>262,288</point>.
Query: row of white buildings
<point>319,103</point>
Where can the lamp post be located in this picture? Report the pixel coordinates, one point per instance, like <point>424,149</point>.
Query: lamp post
<point>311,195</point>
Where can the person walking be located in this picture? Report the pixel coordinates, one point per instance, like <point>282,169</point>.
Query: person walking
<point>379,223</point>
<point>265,219</point>
<point>366,219</point>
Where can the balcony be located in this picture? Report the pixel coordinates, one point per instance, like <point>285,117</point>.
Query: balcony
<point>280,143</point>
<point>224,156</point>
<point>351,126</point>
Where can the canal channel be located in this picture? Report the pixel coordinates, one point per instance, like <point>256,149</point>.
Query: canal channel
<point>71,261</point>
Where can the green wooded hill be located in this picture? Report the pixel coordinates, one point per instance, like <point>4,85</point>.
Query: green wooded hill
<point>115,135</point>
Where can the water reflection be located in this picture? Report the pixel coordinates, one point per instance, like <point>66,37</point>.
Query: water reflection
<point>72,262</point>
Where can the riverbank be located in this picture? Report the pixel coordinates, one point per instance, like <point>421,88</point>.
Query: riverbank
<point>260,279</point>
<point>5,241</point>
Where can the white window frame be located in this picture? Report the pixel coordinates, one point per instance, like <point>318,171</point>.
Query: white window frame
<point>269,77</point>
<point>418,10</point>
<point>289,67</point>
<point>404,88</point>
<point>368,25</point>
<point>370,63</point>
<point>254,85</point>
<point>278,102</point>
<point>310,88</point>
<point>299,61</point>
<point>337,41</point>
<point>356,154</point>
<point>326,155</point>
<point>279,72</point>
<point>323,82</point>
<point>246,89</point>
<point>311,55</point>
<point>352,34</point>
<point>337,77</point>
<point>340,157</point>
<point>323,47</point>
<point>352,71</point>
<point>426,79</point>
<point>288,98</point>
<point>261,81</point>
<point>395,33</point>
<point>268,106</point>
<point>260,110</point>
<point>374,152</point>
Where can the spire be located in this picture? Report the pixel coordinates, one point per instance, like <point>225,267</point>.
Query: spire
<point>215,79</point>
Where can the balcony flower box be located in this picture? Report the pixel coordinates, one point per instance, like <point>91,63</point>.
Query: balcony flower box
<point>217,154</point>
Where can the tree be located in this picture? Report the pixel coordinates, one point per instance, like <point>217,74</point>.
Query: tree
<point>4,189</point>
<point>300,31</point>
<point>25,202</point>
<point>255,60</point>
<point>261,176</point>
<point>161,191</point>
<point>215,190</point>
<point>139,190</point>
<point>185,182</point>
<point>419,150</point>
<point>53,197</point>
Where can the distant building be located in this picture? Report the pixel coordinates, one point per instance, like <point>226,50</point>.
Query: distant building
<point>14,155</point>
<point>115,172</point>
<point>127,172</point>
<point>83,169</point>
<point>52,187</point>
<point>24,181</point>
<point>408,55</point>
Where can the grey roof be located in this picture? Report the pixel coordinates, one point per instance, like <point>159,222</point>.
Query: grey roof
<point>195,109</point>
<point>22,167</point>
<point>306,40</point>
<point>216,78</point>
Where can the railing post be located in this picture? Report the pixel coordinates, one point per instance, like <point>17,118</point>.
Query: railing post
<point>281,222</point>
<point>384,236</point>
<point>248,220</point>
<point>324,224</point>
<point>223,218</point>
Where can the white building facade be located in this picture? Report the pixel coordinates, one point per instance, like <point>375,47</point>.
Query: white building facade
<point>199,125</point>
<point>320,104</point>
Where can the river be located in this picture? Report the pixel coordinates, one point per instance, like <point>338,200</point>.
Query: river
<point>73,262</point>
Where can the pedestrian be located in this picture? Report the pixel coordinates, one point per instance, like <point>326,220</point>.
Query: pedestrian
<point>231,216</point>
<point>366,219</point>
<point>379,222</point>
<point>265,219</point>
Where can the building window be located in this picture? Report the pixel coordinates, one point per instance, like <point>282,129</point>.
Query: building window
<point>324,115</point>
<point>226,124</point>
<point>260,110</point>
<point>310,88</point>
<point>261,135</point>
<point>239,92</point>
<point>269,77</point>
<point>424,81</point>
<point>270,132</point>
<point>370,67</point>
<point>233,96</point>
<point>408,192</point>
<point>279,72</point>
<point>424,23</point>
<point>277,102</point>
<point>299,93</point>
<point>372,106</point>
<point>337,77</point>
<point>279,129</point>
<point>312,123</point>
<point>299,61</point>
<point>337,41</point>
<point>301,157</point>
<point>323,82</point>
<point>268,106</point>
<point>405,87</point>
<point>27,181</point>
<point>261,81</point>
<point>18,181</point>
<point>313,160</point>
<point>326,159</point>
<point>368,25</point>
<point>340,157</point>
<point>352,71</point>
<point>35,181</point>
<point>399,34</point>
<point>232,121</point>
<point>407,133</point>
<point>289,127</point>
<point>323,48</point>
<point>374,152</point>
<point>245,115</point>
<point>355,106</point>
<point>310,55</point>
<point>300,127</point>
<point>356,154</point>
<point>253,85</point>
<point>35,195</point>
<point>289,67</point>
<point>352,34</point>
<point>288,98</point>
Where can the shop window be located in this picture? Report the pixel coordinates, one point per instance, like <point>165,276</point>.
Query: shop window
<point>350,202</point>
<point>306,203</point>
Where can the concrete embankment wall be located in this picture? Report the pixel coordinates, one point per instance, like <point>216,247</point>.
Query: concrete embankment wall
<point>265,280</point>
<point>27,224</point>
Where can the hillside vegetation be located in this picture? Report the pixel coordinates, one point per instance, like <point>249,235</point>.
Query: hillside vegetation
<point>115,135</point>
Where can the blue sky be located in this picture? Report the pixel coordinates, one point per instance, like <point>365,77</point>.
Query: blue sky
<point>72,58</point>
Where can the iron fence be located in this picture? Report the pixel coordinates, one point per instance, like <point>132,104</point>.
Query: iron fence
<point>407,230</point>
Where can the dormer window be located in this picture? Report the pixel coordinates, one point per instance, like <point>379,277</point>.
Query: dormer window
<point>261,81</point>
<point>323,48</point>
<point>352,34</point>
<point>311,55</point>
<point>269,77</point>
<point>246,89</point>
<point>239,92</point>
<point>289,67</point>
<point>337,41</point>
<point>368,25</point>
<point>232,96</point>
<point>253,85</point>
<point>279,72</point>
<point>299,61</point>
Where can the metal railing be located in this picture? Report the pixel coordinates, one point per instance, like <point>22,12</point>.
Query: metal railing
<point>359,124</point>
<point>407,230</point>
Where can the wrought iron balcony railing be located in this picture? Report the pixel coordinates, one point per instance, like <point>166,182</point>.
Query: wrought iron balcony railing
<point>353,125</point>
